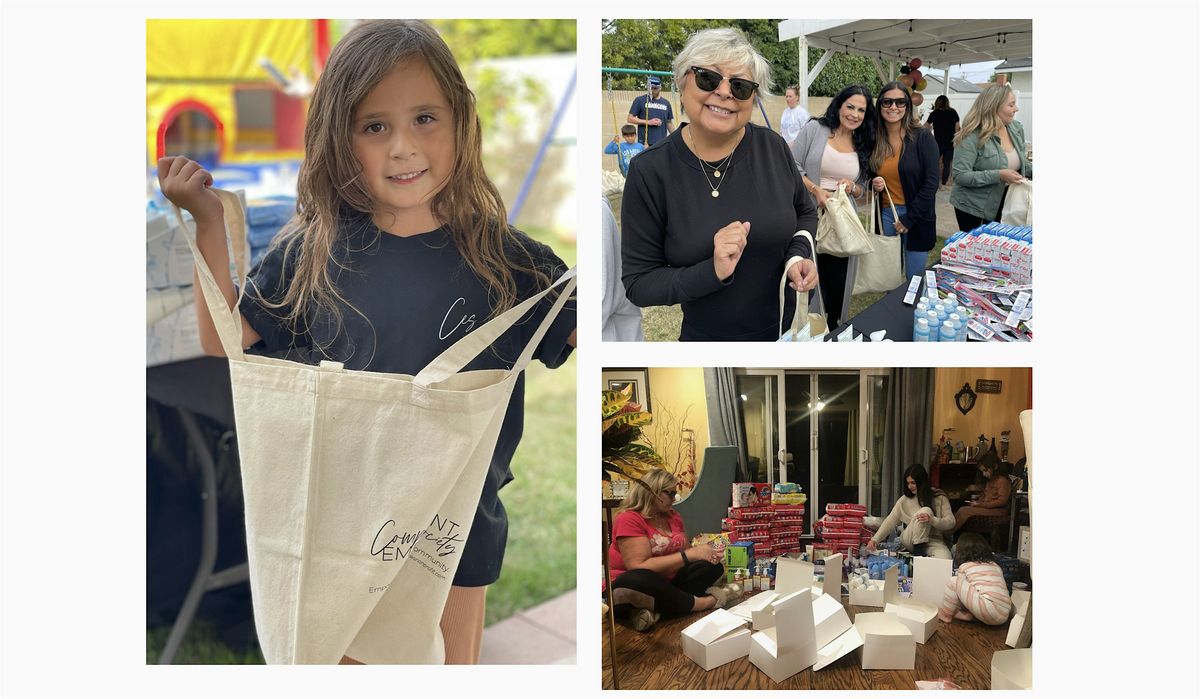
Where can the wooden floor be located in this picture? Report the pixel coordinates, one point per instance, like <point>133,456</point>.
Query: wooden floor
<point>655,660</point>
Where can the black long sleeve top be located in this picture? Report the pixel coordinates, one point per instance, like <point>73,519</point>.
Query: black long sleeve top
<point>669,218</point>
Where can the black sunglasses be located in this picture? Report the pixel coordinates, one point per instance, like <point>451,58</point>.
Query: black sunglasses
<point>670,493</point>
<point>893,101</point>
<point>709,80</point>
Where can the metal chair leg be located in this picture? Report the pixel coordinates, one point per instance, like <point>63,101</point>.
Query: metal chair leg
<point>208,539</point>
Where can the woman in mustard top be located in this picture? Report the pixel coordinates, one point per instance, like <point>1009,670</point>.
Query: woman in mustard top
<point>905,162</point>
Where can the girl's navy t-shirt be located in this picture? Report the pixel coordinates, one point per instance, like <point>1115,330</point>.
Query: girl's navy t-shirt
<point>415,296</point>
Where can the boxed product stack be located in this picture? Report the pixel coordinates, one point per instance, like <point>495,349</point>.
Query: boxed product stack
<point>841,529</point>
<point>750,517</point>
<point>171,332</point>
<point>787,502</point>
<point>752,524</point>
<point>264,219</point>
<point>989,269</point>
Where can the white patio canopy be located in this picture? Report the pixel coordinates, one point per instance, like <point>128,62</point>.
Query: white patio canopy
<point>940,43</point>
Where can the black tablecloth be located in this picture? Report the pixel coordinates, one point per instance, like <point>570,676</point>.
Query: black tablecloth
<point>888,313</point>
<point>200,385</point>
<point>173,502</point>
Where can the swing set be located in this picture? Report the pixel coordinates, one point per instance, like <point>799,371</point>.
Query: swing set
<point>670,94</point>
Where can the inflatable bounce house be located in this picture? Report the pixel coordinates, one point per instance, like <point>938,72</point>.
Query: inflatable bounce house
<point>231,92</point>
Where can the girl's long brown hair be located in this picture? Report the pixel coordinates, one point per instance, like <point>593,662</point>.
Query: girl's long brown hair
<point>330,187</point>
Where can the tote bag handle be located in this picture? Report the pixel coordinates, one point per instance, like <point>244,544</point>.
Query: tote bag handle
<point>797,317</point>
<point>454,358</point>
<point>879,200</point>
<point>228,321</point>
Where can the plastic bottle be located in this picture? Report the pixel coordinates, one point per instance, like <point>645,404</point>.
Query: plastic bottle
<point>947,332</point>
<point>919,311</point>
<point>931,317</point>
<point>951,300</point>
<point>942,312</point>
<point>958,324</point>
<point>965,315</point>
<point>921,331</point>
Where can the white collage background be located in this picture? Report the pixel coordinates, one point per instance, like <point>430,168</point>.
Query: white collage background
<point>1115,363</point>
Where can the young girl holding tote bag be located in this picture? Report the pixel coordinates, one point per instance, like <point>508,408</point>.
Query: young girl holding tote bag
<point>382,397</point>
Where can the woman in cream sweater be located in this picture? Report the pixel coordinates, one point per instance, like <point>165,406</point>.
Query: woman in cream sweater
<point>925,513</point>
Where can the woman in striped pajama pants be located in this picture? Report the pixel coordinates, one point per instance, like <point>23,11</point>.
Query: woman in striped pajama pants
<point>978,590</point>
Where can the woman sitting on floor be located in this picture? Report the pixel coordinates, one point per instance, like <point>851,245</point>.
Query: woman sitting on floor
<point>978,590</point>
<point>653,571</point>
<point>996,493</point>
<point>925,513</point>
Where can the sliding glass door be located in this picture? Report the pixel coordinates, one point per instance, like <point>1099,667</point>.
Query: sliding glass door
<point>759,392</point>
<point>821,429</point>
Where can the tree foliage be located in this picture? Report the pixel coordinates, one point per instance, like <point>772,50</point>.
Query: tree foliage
<point>651,44</point>
<point>472,39</point>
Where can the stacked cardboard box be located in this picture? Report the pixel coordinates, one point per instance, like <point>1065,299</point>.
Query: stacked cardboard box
<point>786,528</point>
<point>171,332</point>
<point>841,530</point>
<point>751,524</point>
<point>990,271</point>
<point>773,521</point>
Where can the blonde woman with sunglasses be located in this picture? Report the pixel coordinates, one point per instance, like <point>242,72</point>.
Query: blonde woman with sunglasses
<point>652,569</point>
<point>709,214</point>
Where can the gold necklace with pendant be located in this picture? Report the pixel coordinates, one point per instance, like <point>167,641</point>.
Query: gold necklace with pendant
<point>716,170</point>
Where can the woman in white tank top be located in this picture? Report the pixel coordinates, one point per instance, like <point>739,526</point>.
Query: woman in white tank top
<point>832,149</point>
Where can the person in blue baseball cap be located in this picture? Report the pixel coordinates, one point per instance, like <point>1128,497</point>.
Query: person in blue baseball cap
<point>652,114</point>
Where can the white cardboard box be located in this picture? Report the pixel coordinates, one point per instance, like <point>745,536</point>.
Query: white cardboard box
<point>921,619</point>
<point>835,636</point>
<point>752,609</point>
<point>887,642</point>
<point>169,260</point>
<point>792,574</point>
<point>1012,669</point>
<point>1022,602</point>
<point>174,338</point>
<point>788,647</point>
<point>930,577</point>
<point>719,638</point>
<point>832,634</point>
<point>869,596</point>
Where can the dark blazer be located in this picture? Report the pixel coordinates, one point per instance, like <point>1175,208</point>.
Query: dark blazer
<point>919,177</point>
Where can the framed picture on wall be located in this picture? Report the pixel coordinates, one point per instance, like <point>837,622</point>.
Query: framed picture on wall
<point>620,379</point>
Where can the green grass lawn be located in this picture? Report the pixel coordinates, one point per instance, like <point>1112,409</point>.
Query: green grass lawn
<point>540,561</point>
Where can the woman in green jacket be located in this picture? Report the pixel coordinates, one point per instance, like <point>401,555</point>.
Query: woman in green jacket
<point>989,155</point>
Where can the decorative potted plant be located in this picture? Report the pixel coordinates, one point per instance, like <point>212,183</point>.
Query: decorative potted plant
<point>623,452</point>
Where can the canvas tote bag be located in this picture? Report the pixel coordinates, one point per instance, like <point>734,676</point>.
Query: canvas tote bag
<point>360,487</point>
<point>806,326</point>
<point>881,269</point>
<point>839,230</point>
<point>1018,204</point>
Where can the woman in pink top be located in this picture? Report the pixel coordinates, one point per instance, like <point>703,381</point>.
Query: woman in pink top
<point>978,590</point>
<point>997,491</point>
<point>653,570</point>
